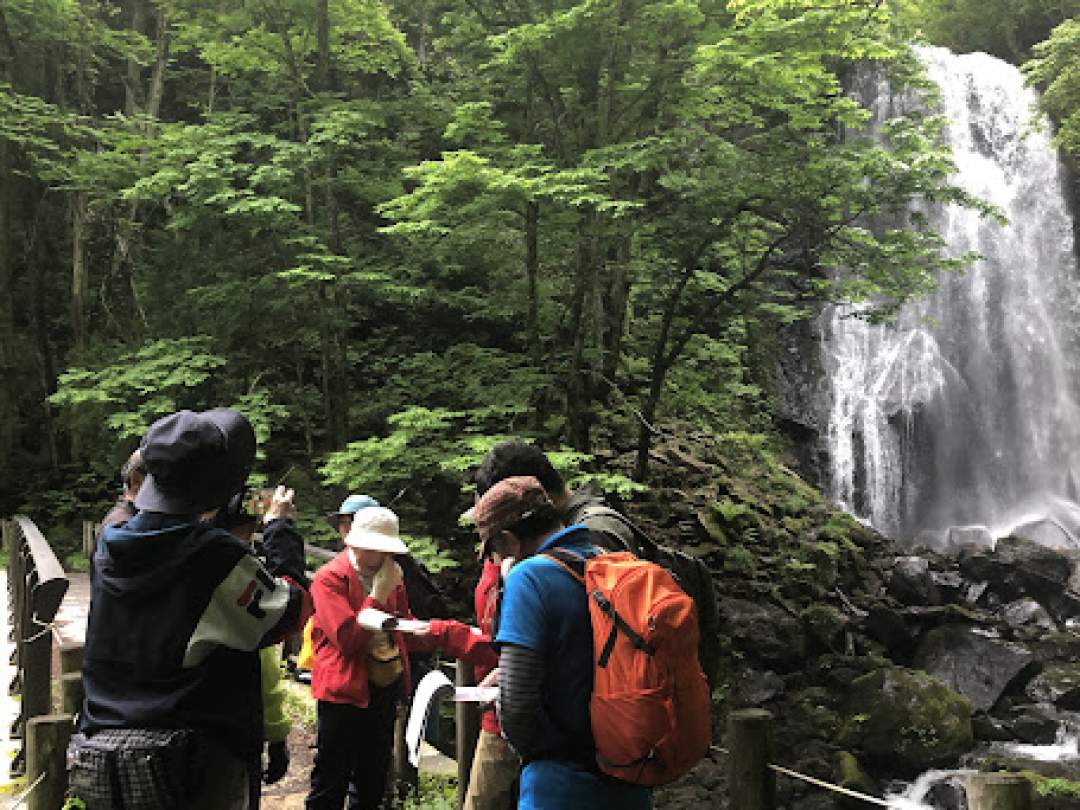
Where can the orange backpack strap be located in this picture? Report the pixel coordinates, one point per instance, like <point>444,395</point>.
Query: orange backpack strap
<point>574,565</point>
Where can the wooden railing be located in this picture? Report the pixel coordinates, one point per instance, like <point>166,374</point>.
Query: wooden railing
<point>36,586</point>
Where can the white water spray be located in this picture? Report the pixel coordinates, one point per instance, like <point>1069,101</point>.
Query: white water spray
<point>964,413</point>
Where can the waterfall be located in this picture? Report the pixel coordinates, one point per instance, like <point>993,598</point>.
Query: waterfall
<point>964,411</point>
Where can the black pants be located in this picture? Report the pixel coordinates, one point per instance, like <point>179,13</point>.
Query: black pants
<point>353,745</point>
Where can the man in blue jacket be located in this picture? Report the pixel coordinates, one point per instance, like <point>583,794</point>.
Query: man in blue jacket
<point>178,611</point>
<point>546,654</point>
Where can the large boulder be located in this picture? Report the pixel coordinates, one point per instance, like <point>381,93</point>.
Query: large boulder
<point>1058,684</point>
<point>763,633</point>
<point>1033,724</point>
<point>975,664</point>
<point>906,720</point>
<point>1047,532</point>
<point>1027,615</point>
<point>910,583</point>
<point>1020,567</point>
<point>968,537</point>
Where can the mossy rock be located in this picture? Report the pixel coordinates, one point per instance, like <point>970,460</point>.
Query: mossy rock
<point>810,714</point>
<point>824,626</point>
<point>907,720</point>
<point>850,774</point>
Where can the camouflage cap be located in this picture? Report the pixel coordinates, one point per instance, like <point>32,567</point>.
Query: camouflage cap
<point>508,502</point>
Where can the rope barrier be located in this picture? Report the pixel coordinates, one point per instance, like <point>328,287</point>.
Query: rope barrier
<point>819,783</point>
<point>829,786</point>
<point>47,627</point>
<point>26,794</point>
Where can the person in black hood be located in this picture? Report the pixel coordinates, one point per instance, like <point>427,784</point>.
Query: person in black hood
<point>178,611</point>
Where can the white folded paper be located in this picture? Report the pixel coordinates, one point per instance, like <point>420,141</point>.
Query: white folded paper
<point>433,687</point>
<point>476,694</point>
<point>375,619</point>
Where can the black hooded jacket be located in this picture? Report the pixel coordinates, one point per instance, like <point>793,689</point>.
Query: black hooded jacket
<point>178,611</point>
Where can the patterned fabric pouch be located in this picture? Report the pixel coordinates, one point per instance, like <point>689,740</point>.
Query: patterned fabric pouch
<point>384,660</point>
<point>133,769</point>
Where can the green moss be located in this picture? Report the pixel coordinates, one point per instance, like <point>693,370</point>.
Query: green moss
<point>740,560</point>
<point>907,717</point>
<point>1047,786</point>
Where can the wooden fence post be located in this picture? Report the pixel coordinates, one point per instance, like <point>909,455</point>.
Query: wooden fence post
<point>71,686</point>
<point>751,783</point>
<point>89,539</point>
<point>998,791</point>
<point>46,753</point>
<point>71,657</point>
<point>466,729</point>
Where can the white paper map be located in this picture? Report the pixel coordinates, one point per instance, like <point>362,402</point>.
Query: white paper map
<point>375,619</point>
<point>434,688</point>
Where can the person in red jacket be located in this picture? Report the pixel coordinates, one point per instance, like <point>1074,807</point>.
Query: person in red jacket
<point>495,765</point>
<point>359,675</point>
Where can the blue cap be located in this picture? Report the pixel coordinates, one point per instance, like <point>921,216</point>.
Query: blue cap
<point>350,506</point>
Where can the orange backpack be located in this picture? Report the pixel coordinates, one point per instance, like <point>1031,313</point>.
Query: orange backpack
<point>650,702</point>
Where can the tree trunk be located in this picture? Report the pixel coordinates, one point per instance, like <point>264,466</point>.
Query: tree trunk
<point>577,388</point>
<point>162,44</point>
<point>80,281</point>
<point>662,360</point>
<point>133,102</point>
<point>613,308</point>
<point>38,263</point>
<point>8,393</point>
<point>339,387</point>
<point>323,14</point>
<point>532,274</point>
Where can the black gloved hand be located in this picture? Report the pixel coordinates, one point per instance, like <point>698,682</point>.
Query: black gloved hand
<point>277,761</point>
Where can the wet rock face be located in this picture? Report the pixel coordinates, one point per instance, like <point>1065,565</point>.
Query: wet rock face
<point>910,583</point>
<point>1027,615</point>
<point>1058,684</point>
<point>774,636</point>
<point>1018,567</point>
<point>972,663</point>
<point>907,719</point>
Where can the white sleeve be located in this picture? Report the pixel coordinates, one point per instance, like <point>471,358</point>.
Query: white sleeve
<point>243,609</point>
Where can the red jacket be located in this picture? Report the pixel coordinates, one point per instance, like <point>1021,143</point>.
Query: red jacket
<point>339,674</point>
<point>486,597</point>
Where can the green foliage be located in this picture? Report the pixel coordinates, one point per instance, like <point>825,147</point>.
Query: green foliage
<point>127,395</point>
<point>427,552</point>
<point>1055,69</point>
<point>77,562</point>
<point>423,444</point>
<point>399,234</point>
<point>1006,28</point>
<point>300,706</point>
<point>433,793</point>
<point>1054,786</point>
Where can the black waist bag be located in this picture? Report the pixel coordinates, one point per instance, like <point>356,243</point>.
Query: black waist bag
<point>134,769</point>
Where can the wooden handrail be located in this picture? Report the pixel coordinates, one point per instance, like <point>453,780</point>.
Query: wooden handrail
<point>37,585</point>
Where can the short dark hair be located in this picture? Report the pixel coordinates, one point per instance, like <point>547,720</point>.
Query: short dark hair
<point>517,458</point>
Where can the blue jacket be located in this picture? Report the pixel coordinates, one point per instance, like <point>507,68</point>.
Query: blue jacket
<point>178,610</point>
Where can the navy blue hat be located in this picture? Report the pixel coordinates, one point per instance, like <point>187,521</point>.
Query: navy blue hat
<point>195,461</point>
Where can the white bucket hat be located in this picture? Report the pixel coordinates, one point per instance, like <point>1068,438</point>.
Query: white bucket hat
<point>376,529</point>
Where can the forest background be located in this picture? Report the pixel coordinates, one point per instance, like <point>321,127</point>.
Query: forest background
<point>395,232</point>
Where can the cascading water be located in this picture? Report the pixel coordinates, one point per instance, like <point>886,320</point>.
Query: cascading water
<point>964,412</point>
